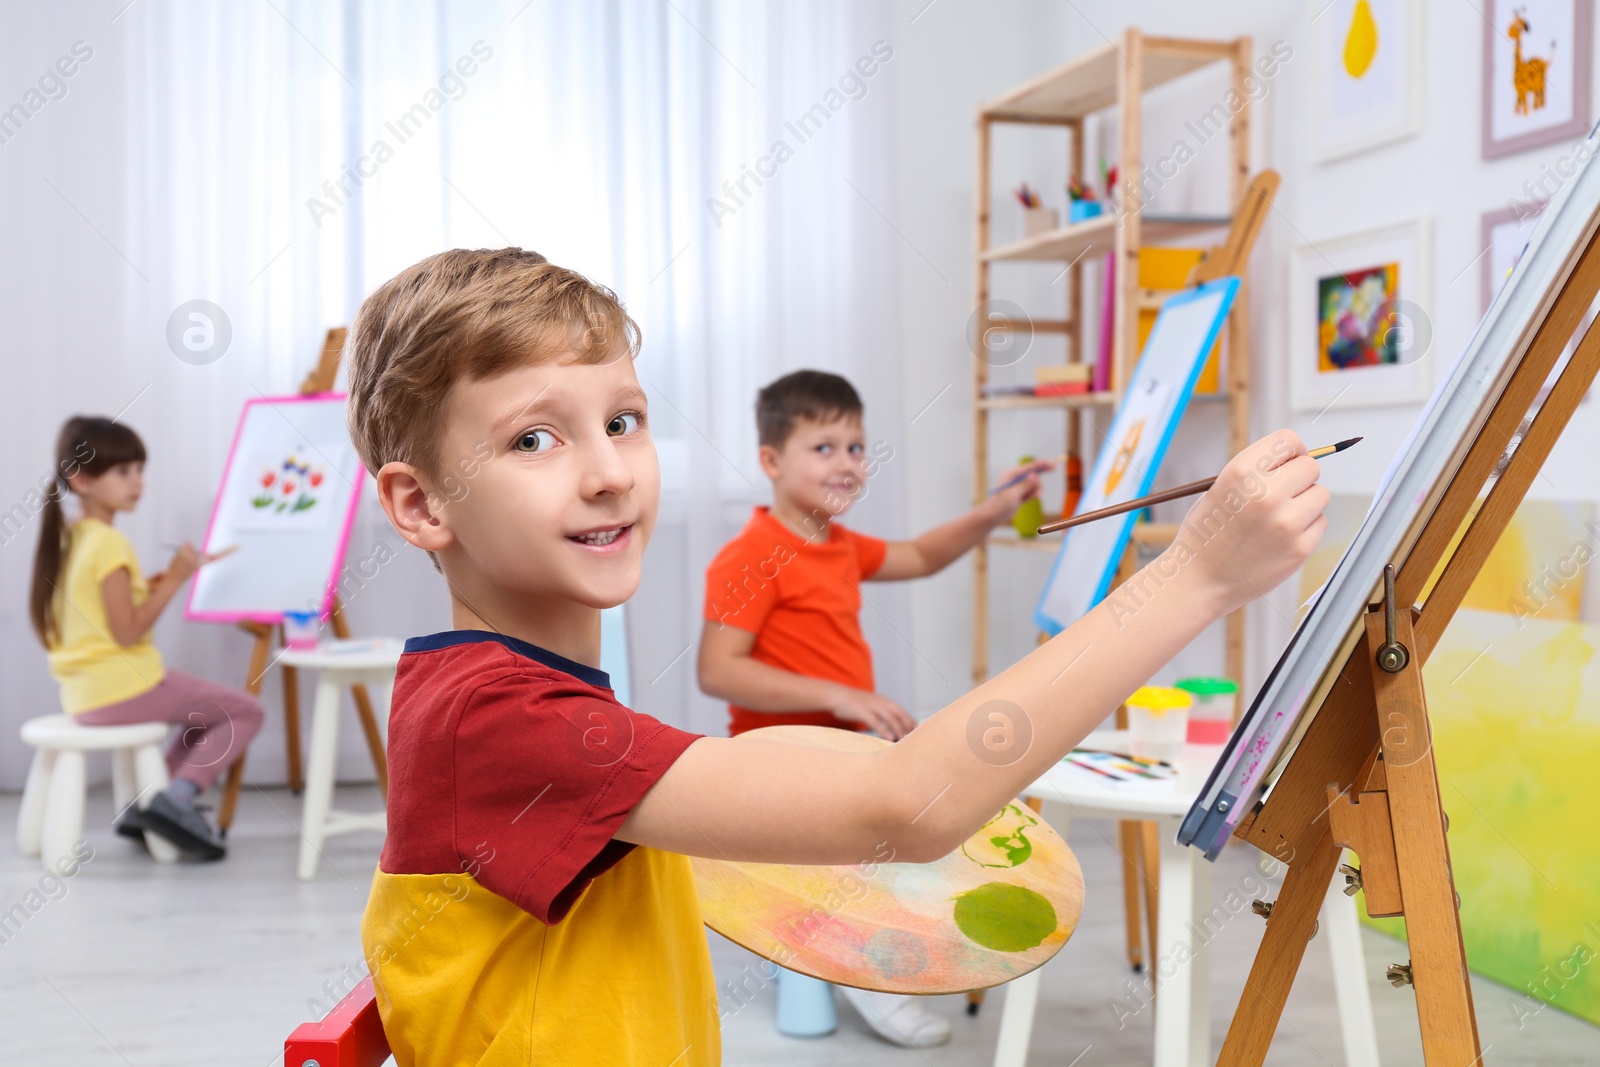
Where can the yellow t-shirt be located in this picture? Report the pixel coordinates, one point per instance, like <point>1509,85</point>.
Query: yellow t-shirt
<point>506,924</point>
<point>92,668</point>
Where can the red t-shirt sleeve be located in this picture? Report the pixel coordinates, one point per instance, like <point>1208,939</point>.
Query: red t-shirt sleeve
<point>740,590</point>
<point>870,552</point>
<point>546,770</point>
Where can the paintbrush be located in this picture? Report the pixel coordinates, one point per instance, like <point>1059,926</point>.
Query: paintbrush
<point>1168,494</point>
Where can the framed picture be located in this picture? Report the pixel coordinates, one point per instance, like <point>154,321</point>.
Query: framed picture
<point>1503,234</point>
<point>1366,75</point>
<point>1536,56</point>
<point>1361,331</point>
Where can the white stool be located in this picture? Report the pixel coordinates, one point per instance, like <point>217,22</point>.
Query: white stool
<point>50,820</point>
<point>339,664</point>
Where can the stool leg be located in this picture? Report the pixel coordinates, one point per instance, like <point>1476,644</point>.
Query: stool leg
<point>319,774</point>
<point>30,816</point>
<point>124,776</point>
<point>150,778</point>
<point>63,809</point>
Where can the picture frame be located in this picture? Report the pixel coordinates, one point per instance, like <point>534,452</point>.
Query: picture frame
<point>1360,319</point>
<point>1503,234</point>
<point>1537,67</point>
<point>1366,78</point>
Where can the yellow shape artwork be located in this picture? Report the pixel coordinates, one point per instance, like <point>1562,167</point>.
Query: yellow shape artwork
<point>1361,40</point>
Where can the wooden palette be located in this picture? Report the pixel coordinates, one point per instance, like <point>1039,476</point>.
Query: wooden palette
<point>992,910</point>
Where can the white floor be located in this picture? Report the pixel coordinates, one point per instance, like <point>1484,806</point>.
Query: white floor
<point>130,964</point>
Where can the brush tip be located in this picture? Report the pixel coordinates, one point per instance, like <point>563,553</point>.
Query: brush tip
<point>1346,443</point>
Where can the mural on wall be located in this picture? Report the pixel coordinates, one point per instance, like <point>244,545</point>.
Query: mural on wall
<point>1515,683</point>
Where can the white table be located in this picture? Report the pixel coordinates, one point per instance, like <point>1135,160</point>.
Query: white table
<point>1182,1006</point>
<point>338,665</point>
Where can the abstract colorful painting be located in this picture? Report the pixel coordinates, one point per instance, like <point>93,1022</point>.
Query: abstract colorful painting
<point>1356,318</point>
<point>1361,332</point>
<point>993,910</point>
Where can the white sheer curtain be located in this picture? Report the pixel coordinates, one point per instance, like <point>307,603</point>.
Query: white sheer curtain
<point>281,159</point>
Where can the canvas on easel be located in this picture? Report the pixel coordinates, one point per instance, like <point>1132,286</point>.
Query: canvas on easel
<point>1134,447</point>
<point>1336,749</point>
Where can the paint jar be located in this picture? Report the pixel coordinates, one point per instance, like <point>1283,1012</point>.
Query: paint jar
<point>1158,718</point>
<point>1215,704</point>
<point>301,629</point>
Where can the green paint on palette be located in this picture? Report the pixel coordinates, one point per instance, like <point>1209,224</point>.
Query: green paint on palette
<point>1011,848</point>
<point>1003,917</point>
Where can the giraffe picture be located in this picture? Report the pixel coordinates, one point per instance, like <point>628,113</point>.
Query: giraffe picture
<point>1536,78</point>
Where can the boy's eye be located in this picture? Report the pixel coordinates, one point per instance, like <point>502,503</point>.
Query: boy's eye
<point>856,450</point>
<point>824,449</point>
<point>623,424</point>
<point>535,441</point>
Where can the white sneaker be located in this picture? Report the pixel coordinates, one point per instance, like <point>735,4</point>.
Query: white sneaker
<point>899,1020</point>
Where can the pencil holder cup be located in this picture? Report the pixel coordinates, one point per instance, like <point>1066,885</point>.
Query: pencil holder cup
<point>1158,718</point>
<point>1083,210</point>
<point>301,629</point>
<point>1037,220</point>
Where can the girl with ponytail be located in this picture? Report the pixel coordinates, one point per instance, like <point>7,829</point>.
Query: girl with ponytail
<point>93,610</point>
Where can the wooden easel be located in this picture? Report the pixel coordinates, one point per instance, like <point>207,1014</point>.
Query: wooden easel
<point>320,380</point>
<point>1363,776</point>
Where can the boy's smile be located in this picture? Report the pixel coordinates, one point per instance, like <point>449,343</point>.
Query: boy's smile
<point>544,499</point>
<point>818,472</point>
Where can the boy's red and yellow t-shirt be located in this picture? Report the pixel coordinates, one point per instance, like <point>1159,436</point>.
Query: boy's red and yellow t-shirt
<point>802,600</point>
<point>505,924</point>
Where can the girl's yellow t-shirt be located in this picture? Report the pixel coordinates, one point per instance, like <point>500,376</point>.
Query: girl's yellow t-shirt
<point>92,668</point>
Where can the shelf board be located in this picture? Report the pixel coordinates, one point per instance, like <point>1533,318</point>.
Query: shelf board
<point>1144,533</point>
<point>1089,83</point>
<point>1047,543</point>
<point>1098,236</point>
<point>1070,400</point>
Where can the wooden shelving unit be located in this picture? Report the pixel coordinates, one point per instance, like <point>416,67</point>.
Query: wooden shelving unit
<point>1116,75</point>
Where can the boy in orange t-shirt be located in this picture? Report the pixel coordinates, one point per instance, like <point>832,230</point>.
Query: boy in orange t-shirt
<point>782,639</point>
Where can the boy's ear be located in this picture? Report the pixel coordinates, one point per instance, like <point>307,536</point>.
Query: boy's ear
<point>768,458</point>
<point>410,506</point>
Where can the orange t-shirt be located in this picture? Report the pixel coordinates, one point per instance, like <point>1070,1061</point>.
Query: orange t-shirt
<point>802,600</point>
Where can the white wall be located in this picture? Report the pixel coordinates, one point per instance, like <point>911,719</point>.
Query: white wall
<point>968,52</point>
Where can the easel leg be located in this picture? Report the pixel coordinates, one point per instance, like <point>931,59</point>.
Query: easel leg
<point>1294,917</point>
<point>254,675</point>
<point>1150,868</point>
<point>1433,924</point>
<point>1128,839</point>
<point>291,727</point>
<point>369,721</point>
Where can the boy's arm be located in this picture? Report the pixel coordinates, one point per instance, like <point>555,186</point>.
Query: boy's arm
<point>943,545</point>
<point>748,798</point>
<point>728,671</point>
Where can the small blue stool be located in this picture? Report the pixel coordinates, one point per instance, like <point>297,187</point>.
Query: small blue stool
<point>805,1006</point>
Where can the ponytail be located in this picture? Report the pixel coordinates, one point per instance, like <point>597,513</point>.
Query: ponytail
<point>47,561</point>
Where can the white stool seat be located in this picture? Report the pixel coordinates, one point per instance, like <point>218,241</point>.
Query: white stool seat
<point>50,818</point>
<point>60,731</point>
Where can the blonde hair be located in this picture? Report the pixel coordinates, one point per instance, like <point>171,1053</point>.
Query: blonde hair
<point>465,314</point>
